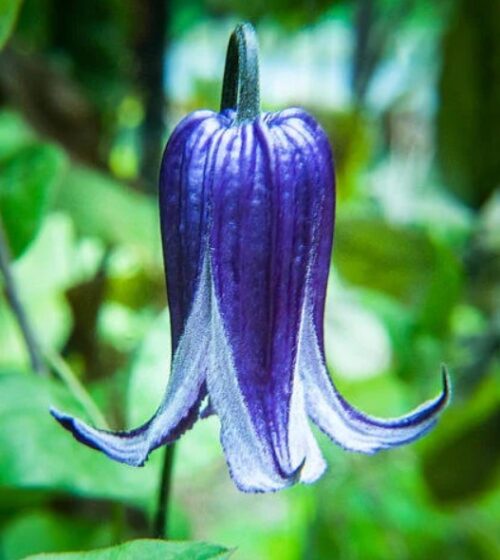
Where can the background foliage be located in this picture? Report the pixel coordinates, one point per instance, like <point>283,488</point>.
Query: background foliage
<point>408,93</point>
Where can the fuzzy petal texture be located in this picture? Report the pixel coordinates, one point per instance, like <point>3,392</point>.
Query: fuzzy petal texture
<point>247,216</point>
<point>265,200</point>
<point>346,425</point>
<point>178,411</point>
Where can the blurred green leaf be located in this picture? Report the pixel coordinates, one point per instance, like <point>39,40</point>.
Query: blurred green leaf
<point>465,462</point>
<point>445,283</point>
<point>186,14</point>
<point>352,136</point>
<point>468,122</point>
<point>400,325</point>
<point>38,531</point>
<point>381,509</point>
<point>27,180</point>
<point>136,288</point>
<point>389,259</point>
<point>142,549</point>
<point>14,133</point>
<point>35,452</point>
<point>8,15</point>
<point>102,207</point>
<point>400,262</point>
<point>477,454</point>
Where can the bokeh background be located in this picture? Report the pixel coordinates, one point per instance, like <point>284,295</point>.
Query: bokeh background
<point>408,92</point>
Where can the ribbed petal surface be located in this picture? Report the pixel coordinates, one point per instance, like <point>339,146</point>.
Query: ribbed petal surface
<point>185,183</point>
<point>183,213</point>
<point>345,424</point>
<point>267,196</point>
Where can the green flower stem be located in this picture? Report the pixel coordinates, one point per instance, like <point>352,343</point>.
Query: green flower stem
<point>240,88</point>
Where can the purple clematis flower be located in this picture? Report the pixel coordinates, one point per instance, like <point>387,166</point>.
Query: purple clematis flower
<point>247,212</point>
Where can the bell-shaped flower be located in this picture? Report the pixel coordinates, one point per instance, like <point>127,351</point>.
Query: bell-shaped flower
<point>247,212</point>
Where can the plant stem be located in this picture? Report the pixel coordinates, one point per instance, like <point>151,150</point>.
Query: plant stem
<point>153,19</point>
<point>32,346</point>
<point>164,492</point>
<point>240,87</point>
<point>76,388</point>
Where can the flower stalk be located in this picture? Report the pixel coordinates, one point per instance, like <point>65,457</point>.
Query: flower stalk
<point>30,340</point>
<point>241,86</point>
<point>161,530</point>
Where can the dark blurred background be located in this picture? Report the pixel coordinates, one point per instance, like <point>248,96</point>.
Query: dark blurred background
<point>409,93</point>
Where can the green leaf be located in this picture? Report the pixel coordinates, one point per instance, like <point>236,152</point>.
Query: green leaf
<point>36,452</point>
<point>33,532</point>
<point>399,262</point>
<point>102,207</point>
<point>141,549</point>
<point>15,133</point>
<point>8,16</point>
<point>467,124</point>
<point>477,452</point>
<point>27,179</point>
<point>465,461</point>
<point>388,259</point>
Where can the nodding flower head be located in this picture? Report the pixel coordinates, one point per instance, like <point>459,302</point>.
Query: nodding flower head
<point>247,203</point>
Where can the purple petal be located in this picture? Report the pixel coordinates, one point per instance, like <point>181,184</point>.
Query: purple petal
<point>180,407</point>
<point>184,184</point>
<point>251,460</point>
<point>345,424</point>
<point>329,410</point>
<point>301,439</point>
<point>267,194</point>
<point>301,125</point>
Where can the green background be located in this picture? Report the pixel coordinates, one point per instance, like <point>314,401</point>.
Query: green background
<point>408,93</point>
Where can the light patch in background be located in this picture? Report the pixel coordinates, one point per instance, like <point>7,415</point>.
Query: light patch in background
<point>65,262</point>
<point>122,327</point>
<point>410,72</point>
<point>319,54</point>
<point>52,252</point>
<point>42,294</point>
<point>150,372</point>
<point>404,187</point>
<point>356,342</point>
<point>490,220</point>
